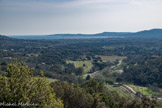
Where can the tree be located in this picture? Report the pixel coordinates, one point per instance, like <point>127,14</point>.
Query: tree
<point>144,102</point>
<point>21,87</point>
<point>73,97</point>
<point>79,71</point>
<point>93,86</point>
<point>88,77</point>
<point>69,68</point>
<point>118,80</point>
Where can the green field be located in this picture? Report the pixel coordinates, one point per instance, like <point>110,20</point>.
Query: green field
<point>113,47</point>
<point>50,80</point>
<point>87,67</point>
<point>35,55</point>
<point>143,90</point>
<point>111,58</point>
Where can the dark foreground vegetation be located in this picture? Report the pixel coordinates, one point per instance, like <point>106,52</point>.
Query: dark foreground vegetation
<point>20,87</point>
<point>83,68</point>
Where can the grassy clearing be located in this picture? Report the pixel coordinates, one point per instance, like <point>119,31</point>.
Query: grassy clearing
<point>35,55</point>
<point>143,90</point>
<point>146,90</point>
<point>112,47</point>
<point>111,58</point>
<point>84,76</point>
<point>50,80</point>
<point>87,67</point>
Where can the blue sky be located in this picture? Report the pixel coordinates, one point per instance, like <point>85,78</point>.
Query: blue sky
<point>25,17</point>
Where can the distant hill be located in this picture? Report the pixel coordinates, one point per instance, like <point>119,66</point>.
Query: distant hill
<point>5,39</point>
<point>2,37</point>
<point>113,34</point>
<point>148,33</point>
<point>70,35</point>
<point>145,33</point>
<point>98,34</point>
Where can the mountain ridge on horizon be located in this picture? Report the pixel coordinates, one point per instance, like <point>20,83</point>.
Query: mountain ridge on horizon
<point>145,33</point>
<point>155,30</point>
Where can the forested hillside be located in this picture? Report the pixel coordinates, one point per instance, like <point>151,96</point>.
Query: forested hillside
<point>82,73</point>
<point>20,88</point>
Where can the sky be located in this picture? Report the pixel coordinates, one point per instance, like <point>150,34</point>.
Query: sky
<point>40,17</point>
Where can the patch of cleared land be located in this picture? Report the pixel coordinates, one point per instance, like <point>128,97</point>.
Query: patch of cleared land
<point>87,67</point>
<point>112,58</point>
<point>35,55</point>
<point>113,47</point>
<point>143,90</point>
<point>50,80</point>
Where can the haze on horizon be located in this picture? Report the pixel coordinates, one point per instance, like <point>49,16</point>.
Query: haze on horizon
<point>35,17</point>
